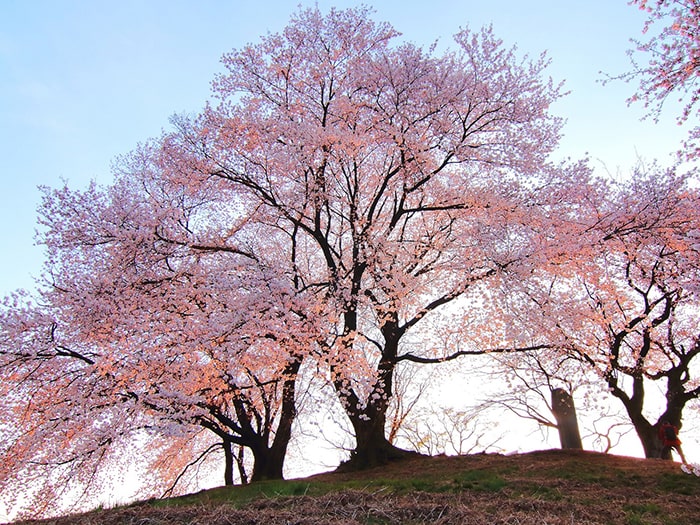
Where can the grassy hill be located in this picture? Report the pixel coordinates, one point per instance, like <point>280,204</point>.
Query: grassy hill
<point>549,487</point>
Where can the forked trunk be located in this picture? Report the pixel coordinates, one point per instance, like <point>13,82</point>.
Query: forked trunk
<point>268,464</point>
<point>634,405</point>
<point>368,419</point>
<point>372,448</point>
<point>268,461</point>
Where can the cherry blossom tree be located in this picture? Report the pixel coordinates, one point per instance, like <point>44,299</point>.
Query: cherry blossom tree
<point>408,392</point>
<point>51,443</point>
<point>347,203</point>
<point>647,299</point>
<point>401,178</point>
<point>627,308</point>
<point>148,329</point>
<point>182,284</point>
<point>672,59</point>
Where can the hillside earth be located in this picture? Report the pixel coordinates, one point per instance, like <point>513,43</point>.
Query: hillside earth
<point>548,487</point>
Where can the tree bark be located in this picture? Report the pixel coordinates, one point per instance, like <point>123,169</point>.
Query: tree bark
<point>649,437</point>
<point>372,448</point>
<point>228,462</point>
<point>268,462</point>
<point>240,463</point>
<point>567,424</point>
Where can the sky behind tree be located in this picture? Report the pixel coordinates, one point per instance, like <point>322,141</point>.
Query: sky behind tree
<point>82,82</point>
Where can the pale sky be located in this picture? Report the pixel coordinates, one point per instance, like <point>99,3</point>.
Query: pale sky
<point>83,81</point>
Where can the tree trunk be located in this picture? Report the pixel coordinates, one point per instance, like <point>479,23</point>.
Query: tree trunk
<point>268,462</point>
<point>228,462</point>
<point>567,424</point>
<point>649,437</point>
<point>634,405</point>
<point>266,465</point>
<point>240,462</point>
<point>372,448</point>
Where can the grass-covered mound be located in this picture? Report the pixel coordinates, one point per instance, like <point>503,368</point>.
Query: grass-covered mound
<point>551,487</point>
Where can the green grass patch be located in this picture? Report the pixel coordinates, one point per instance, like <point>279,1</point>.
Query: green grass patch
<point>679,483</point>
<point>480,480</point>
<point>544,481</point>
<point>584,474</point>
<point>541,492</point>
<point>240,495</point>
<point>642,513</point>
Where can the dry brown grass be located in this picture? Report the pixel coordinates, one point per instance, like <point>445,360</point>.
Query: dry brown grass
<point>552,487</point>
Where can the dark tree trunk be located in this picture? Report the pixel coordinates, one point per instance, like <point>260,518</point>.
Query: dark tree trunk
<point>646,431</point>
<point>567,423</point>
<point>268,460</point>
<point>240,462</point>
<point>266,465</point>
<point>228,462</point>
<point>649,437</point>
<point>372,448</point>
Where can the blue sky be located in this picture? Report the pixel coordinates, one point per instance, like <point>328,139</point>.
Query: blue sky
<point>82,81</point>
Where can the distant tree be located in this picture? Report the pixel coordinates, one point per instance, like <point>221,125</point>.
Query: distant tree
<point>607,430</point>
<point>445,430</point>
<point>408,393</point>
<point>627,307</point>
<point>672,59</point>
